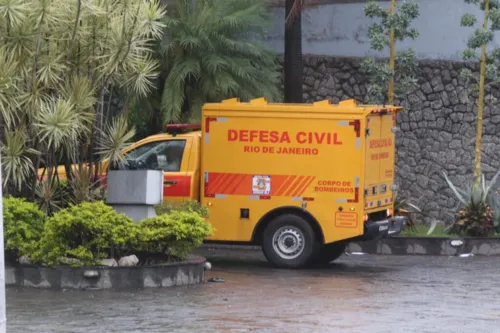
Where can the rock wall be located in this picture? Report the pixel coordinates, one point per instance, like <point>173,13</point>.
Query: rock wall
<point>438,127</point>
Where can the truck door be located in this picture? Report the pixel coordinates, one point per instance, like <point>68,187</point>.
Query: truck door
<point>171,156</point>
<point>379,161</point>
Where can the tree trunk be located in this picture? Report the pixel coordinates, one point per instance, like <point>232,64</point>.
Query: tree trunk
<point>480,106</point>
<point>293,57</point>
<point>390,94</point>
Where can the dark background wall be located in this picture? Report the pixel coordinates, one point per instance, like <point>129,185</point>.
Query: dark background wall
<point>438,127</point>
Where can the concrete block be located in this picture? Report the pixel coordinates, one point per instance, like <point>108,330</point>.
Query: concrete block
<point>140,187</point>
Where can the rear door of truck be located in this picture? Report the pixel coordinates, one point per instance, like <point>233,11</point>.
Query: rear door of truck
<point>380,160</point>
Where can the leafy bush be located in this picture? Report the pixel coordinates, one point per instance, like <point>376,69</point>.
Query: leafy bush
<point>185,206</point>
<point>173,235</point>
<point>84,232</point>
<point>476,218</point>
<point>23,225</point>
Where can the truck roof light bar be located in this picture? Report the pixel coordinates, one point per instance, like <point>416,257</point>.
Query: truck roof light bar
<point>175,129</point>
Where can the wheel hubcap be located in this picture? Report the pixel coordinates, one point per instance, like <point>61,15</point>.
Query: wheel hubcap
<point>288,242</point>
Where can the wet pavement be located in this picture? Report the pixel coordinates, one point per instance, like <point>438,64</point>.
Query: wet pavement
<point>358,293</point>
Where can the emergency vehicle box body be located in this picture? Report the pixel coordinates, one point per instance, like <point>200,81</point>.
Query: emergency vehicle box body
<point>333,161</point>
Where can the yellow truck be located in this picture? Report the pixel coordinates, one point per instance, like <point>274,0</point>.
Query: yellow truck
<point>301,180</point>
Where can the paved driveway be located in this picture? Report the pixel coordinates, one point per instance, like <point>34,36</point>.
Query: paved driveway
<point>364,293</point>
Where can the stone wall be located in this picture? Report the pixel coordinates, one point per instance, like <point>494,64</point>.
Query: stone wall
<point>437,127</point>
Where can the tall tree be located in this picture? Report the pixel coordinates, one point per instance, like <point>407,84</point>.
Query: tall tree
<point>393,25</point>
<point>209,53</point>
<point>293,64</point>
<point>489,63</point>
<point>58,61</point>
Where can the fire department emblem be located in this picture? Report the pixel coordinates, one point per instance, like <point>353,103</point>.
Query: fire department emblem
<point>261,185</point>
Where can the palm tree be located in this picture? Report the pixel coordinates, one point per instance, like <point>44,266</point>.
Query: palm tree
<point>209,53</point>
<point>293,51</point>
<point>59,59</point>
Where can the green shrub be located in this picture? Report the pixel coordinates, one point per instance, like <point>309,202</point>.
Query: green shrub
<point>174,235</point>
<point>476,218</point>
<point>185,206</point>
<point>84,232</point>
<point>23,225</point>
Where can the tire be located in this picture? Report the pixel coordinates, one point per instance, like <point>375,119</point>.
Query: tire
<point>289,241</point>
<point>329,253</point>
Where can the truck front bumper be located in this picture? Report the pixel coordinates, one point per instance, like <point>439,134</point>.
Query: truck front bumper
<point>384,228</point>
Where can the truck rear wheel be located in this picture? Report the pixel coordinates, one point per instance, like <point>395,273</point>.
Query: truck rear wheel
<point>289,242</point>
<point>329,253</point>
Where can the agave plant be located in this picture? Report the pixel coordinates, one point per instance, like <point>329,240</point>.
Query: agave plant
<point>494,198</point>
<point>477,217</point>
<point>405,208</point>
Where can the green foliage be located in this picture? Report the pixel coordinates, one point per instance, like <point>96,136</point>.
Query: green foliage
<point>477,217</point>
<point>185,206</point>
<point>482,36</point>
<point>82,235</point>
<point>208,55</point>
<point>174,235</point>
<point>378,72</point>
<point>475,220</point>
<point>58,61</point>
<point>23,225</point>
<point>84,232</point>
<point>468,20</point>
<point>17,165</point>
<point>118,137</point>
<point>400,20</point>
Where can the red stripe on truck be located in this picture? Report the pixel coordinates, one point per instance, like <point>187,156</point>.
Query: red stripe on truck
<point>241,184</point>
<point>207,123</point>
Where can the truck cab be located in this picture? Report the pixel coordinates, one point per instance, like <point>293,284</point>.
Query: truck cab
<point>178,155</point>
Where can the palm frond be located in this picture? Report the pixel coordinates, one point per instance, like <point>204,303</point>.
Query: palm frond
<point>17,165</point>
<point>14,12</point>
<point>207,57</point>
<point>151,19</point>
<point>117,136</point>
<point>32,100</point>
<point>78,90</point>
<point>51,70</point>
<point>140,80</point>
<point>8,88</point>
<point>57,123</point>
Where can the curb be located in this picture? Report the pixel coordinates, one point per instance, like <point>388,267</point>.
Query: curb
<point>434,246</point>
<point>188,272</point>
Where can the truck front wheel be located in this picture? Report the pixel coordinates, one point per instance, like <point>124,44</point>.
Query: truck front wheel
<point>289,241</point>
